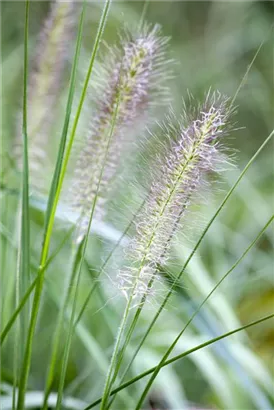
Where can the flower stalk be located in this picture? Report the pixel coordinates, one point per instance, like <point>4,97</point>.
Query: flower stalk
<point>194,151</point>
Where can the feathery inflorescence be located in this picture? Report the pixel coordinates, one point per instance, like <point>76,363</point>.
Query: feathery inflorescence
<point>47,69</point>
<point>194,151</point>
<point>132,77</point>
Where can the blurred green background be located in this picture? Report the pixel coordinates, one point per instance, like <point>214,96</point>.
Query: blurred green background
<point>213,44</point>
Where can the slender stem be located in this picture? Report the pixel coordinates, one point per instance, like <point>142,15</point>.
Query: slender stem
<point>75,277</point>
<point>108,383</point>
<point>181,356</point>
<point>59,325</point>
<point>25,240</point>
<point>18,333</point>
<point>24,270</point>
<point>249,68</point>
<point>127,340</point>
<point>23,267</point>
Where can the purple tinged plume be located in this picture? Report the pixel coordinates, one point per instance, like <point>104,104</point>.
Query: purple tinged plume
<point>135,70</point>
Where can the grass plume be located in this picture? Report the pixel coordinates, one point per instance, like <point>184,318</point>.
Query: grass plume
<point>194,151</point>
<point>135,70</point>
<point>45,80</point>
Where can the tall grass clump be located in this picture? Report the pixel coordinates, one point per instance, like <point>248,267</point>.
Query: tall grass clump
<point>72,344</point>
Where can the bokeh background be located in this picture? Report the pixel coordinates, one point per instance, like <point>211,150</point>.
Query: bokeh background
<point>213,44</point>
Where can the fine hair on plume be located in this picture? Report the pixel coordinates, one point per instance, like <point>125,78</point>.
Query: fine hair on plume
<point>194,149</point>
<point>130,81</point>
<point>45,80</point>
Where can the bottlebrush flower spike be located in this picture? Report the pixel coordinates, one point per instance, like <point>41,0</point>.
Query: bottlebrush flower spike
<point>194,151</point>
<point>46,73</point>
<point>135,71</point>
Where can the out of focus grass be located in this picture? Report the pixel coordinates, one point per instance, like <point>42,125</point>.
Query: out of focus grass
<point>214,43</point>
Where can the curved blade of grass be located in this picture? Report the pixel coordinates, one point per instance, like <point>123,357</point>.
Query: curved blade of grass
<point>62,145</point>
<point>181,356</point>
<point>176,281</point>
<point>249,67</point>
<point>49,227</point>
<point>169,350</point>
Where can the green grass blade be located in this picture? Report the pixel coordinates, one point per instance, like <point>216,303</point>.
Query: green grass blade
<point>181,356</point>
<point>78,251</point>
<point>18,329</point>
<point>25,221</point>
<point>58,329</point>
<point>126,342</point>
<point>49,227</point>
<point>17,311</point>
<point>171,347</point>
<point>248,69</point>
<point>62,145</point>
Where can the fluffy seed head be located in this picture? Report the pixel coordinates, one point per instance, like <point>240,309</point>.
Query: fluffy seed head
<point>135,71</point>
<point>46,71</point>
<point>194,151</point>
